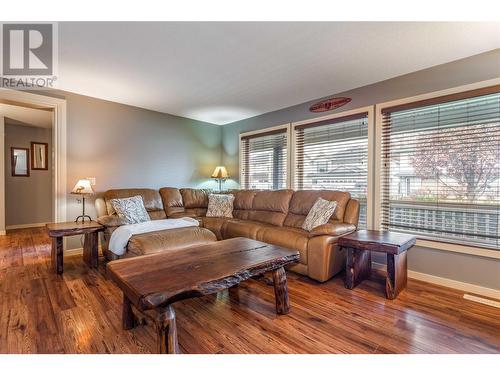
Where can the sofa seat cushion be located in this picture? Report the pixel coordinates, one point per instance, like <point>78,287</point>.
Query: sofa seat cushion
<point>194,212</point>
<point>242,228</point>
<point>111,220</point>
<point>178,215</point>
<point>169,239</point>
<point>292,238</point>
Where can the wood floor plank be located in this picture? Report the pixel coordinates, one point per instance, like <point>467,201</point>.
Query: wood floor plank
<point>80,312</point>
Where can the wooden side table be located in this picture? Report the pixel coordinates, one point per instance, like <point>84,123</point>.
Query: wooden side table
<point>90,229</point>
<point>359,246</point>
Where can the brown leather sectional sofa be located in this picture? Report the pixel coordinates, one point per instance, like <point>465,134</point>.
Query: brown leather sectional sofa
<point>274,217</point>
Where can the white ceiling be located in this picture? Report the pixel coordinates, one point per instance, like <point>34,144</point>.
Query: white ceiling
<point>224,72</point>
<point>19,115</point>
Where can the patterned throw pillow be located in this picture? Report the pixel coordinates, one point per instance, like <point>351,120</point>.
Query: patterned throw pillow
<point>320,213</point>
<point>132,209</point>
<point>220,205</point>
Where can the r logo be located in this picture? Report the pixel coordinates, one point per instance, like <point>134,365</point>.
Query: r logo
<point>27,49</point>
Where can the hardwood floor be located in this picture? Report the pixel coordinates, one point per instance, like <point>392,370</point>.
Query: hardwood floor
<point>80,312</point>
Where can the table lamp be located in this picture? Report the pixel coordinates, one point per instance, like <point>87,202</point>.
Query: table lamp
<point>220,175</point>
<point>83,188</point>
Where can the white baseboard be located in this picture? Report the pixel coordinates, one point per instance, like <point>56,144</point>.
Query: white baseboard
<point>484,301</point>
<point>79,251</point>
<point>449,283</point>
<point>24,226</point>
<point>2,233</point>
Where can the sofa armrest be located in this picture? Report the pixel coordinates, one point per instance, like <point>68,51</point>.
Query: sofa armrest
<point>329,229</point>
<point>111,221</point>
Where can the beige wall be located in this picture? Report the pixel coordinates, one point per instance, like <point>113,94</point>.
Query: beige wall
<point>477,270</point>
<point>28,200</point>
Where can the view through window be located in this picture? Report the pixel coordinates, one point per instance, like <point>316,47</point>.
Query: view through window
<point>441,170</point>
<point>264,160</point>
<point>333,155</point>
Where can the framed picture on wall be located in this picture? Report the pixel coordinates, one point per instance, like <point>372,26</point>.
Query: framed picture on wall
<point>19,160</point>
<point>39,156</point>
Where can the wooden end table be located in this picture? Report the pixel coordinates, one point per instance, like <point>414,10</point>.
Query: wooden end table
<point>152,283</point>
<point>90,229</point>
<point>359,246</point>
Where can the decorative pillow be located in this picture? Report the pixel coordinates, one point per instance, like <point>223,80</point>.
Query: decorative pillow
<point>132,209</point>
<point>220,205</point>
<point>320,213</point>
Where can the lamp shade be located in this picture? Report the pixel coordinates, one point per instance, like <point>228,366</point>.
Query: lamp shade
<point>220,172</point>
<point>82,187</point>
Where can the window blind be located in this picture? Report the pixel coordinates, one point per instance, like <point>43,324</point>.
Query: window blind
<point>440,175</point>
<point>333,155</point>
<point>264,161</point>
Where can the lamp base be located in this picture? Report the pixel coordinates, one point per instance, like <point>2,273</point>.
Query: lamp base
<point>83,217</point>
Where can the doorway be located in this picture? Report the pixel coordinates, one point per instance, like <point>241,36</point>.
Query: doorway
<point>32,159</point>
<point>28,166</point>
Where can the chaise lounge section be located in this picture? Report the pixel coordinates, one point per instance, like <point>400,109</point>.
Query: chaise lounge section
<point>146,243</point>
<point>274,217</point>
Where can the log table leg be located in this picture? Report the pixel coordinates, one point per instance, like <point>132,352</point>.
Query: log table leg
<point>57,254</point>
<point>90,249</point>
<point>358,267</point>
<point>396,275</point>
<point>129,320</point>
<point>166,329</point>
<point>281,291</point>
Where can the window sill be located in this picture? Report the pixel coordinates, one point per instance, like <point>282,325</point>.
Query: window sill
<point>463,249</point>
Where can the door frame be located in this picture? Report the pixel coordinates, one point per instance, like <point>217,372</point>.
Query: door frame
<point>59,132</point>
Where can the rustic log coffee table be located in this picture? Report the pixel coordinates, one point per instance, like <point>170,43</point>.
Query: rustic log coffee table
<point>151,283</point>
<point>359,246</point>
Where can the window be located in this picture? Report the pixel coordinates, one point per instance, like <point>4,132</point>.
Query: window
<point>333,154</point>
<point>440,168</point>
<point>264,160</point>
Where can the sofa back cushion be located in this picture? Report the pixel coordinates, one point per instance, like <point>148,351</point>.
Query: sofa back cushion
<point>195,201</point>
<point>188,202</point>
<point>265,206</point>
<point>172,201</point>
<point>195,198</point>
<point>150,197</point>
<point>303,200</point>
<point>243,201</point>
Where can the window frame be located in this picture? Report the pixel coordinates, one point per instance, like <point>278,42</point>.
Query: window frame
<point>377,201</point>
<point>256,133</point>
<point>370,110</point>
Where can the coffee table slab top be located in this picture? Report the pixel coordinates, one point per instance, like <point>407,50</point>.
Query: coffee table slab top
<point>160,279</point>
<point>381,241</point>
<point>72,228</point>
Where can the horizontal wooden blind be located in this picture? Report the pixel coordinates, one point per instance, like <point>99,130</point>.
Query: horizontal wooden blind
<point>263,163</point>
<point>333,155</point>
<point>441,170</point>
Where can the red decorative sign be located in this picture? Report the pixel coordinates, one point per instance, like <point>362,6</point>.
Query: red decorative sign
<point>329,104</point>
